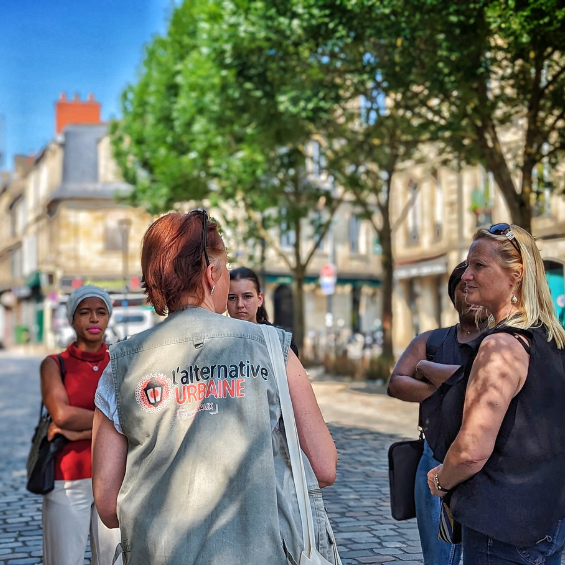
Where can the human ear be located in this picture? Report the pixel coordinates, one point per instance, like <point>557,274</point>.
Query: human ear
<point>261,297</point>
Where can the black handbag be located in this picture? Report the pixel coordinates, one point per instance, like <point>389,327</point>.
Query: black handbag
<point>404,456</point>
<point>41,459</point>
<point>403,460</point>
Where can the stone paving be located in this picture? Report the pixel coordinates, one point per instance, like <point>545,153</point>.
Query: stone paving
<point>358,503</point>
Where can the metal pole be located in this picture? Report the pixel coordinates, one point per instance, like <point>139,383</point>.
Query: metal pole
<point>125,225</point>
<point>460,218</point>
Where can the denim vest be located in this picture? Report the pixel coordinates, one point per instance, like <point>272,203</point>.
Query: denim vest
<point>208,479</point>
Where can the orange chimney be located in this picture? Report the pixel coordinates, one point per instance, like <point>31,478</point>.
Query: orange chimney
<point>76,112</point>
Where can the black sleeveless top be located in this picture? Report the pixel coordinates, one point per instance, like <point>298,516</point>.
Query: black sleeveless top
<point>519,495</point>
<point>451,352</point>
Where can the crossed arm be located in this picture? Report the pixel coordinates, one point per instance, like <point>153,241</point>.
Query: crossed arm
<point>414,378</point>
<point>71,421</point>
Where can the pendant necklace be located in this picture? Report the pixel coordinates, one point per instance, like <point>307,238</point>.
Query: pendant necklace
<point>94,367</point>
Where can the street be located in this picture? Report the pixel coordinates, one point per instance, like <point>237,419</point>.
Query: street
<point>363,421</point>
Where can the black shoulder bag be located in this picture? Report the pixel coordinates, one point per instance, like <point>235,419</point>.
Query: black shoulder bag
<point>41,458</point>
<point>404,456</point>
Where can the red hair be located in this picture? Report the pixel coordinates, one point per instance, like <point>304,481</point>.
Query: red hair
<point>172,259</point>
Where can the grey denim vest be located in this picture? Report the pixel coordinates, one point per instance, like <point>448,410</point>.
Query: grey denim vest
<point>208,478</point>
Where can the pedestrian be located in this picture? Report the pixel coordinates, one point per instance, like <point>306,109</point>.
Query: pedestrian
<point>504,471</point>
<point>430,359</point>
<point>68,512</point>
<point>246,301</point>
<point>187,428</point>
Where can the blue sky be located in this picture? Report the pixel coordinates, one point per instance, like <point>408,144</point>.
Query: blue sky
<point>73,46</point>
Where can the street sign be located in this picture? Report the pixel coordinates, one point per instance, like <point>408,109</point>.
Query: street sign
<point>328,279</point>
<point>327,271</point>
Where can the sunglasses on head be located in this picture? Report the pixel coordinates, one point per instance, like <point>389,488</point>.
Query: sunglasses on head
<point>204,215</point>
<point>506,230</point>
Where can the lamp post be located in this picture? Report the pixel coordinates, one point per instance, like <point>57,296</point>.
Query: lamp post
<point>125,224</point>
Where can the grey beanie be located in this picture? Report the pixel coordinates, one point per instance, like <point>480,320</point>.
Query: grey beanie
<point>88,291</point>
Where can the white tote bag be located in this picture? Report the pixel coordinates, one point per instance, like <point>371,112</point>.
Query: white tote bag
<point>310,555</point>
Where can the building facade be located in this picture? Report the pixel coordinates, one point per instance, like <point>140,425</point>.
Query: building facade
<point>63,226</point>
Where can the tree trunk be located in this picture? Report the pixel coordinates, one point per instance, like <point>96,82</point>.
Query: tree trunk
<point>518,203</point>
<point>387,261</point>
<point>299,273</point>
<point>298,303</point>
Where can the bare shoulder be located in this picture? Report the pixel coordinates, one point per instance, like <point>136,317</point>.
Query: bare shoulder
<point>501,354</point>
<point>420,340</point>
<point>48,365</point>
<point>503,341</point>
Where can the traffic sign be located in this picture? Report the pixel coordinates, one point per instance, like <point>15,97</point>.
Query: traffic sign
<point>328,279</point>
<point>327,271</point>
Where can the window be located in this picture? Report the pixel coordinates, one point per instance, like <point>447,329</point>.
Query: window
<point>288,234</point>
<point>542,187</point>
<point>481,199</point>
<point>414,217</point>
<point>438,210</point>
<point>16,263</point>
<point>316,158</point>
<point>112,235</point>
<point>17,217</point>
<point>317,223</point>
<point>354,233</point>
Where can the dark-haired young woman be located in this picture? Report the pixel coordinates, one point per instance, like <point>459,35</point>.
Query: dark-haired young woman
<point>245,299</point>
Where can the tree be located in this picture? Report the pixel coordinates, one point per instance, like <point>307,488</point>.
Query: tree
<point>483,70</point>
<point>211,117</point>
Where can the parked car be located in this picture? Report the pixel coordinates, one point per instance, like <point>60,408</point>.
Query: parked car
<point>131,320</point>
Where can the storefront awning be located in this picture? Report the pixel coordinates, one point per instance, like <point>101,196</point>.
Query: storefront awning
<point>33,279</point>
<point>341,281</point>
<point>421,269</point>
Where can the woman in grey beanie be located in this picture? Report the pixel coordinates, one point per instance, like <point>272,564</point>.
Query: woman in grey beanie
<point>69,514</point>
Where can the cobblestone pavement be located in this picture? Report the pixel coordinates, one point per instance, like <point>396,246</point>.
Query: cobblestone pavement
<point>362,424</point>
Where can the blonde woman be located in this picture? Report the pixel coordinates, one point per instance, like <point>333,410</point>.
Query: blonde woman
<point>504,472</point>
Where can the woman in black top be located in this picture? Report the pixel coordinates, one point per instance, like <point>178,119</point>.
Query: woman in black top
<point>504,471</point>
<point>420,370</point>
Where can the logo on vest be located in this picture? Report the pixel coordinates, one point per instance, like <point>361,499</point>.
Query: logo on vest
<point>153,392</point>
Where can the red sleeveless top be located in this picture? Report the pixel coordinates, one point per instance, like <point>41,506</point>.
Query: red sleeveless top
<point>84,369</point>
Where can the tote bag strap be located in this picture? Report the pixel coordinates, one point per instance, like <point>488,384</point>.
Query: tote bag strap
<point>296,462</point>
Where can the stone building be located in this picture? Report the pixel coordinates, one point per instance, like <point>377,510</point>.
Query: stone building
<point>62,225</point>
<point>436,217</point>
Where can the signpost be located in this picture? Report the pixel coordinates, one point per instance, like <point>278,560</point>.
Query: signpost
<point>328,278</point>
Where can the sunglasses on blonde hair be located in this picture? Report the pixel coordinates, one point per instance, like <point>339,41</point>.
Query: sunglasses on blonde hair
<point>506,230</point>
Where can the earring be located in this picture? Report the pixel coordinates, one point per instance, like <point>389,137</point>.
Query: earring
<point>514,299</point>
<point>212,290</point>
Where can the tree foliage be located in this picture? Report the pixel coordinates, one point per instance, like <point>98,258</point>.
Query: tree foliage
<point>491,76</point>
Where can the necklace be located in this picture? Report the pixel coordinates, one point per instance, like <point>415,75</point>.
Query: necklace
<point>94,367</point>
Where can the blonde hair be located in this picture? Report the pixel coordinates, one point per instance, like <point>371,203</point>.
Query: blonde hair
<point>535,306</point>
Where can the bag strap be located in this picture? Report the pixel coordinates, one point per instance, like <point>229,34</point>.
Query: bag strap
<point>63,370</point>
<point>62,367</point>
<point>295,453</point>
<point>435,339</point>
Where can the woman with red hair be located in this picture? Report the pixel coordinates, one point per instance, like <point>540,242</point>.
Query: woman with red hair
<point>190,455</point>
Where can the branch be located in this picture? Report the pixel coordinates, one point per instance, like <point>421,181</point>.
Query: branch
<point>324,231</point>
<point>265,234</point>
<point>560,147</point>
<point>553,80</point>
<point>559,117</point>
<point>405,210</point>
<point>363,203</point>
